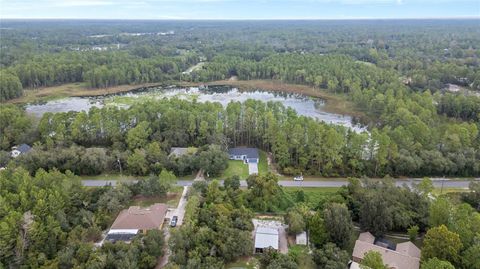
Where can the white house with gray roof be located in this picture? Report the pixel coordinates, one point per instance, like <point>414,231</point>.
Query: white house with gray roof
<point>248,155</point>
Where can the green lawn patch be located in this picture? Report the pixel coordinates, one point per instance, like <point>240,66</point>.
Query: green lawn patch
<point>262,163</point>
<point>313,196</point>
<point>238,168</point>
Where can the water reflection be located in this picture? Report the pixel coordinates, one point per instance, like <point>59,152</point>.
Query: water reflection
<point>304,105</point>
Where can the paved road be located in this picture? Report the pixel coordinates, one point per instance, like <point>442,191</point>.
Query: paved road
<point>289,183</point>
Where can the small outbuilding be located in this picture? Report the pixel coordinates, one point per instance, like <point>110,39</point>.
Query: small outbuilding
<point>266,238</point>
<point>19,150</point>
<point>248,155</point>
<point>301,239</point>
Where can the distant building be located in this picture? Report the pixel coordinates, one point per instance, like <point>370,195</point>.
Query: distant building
<point>265,238</point>
<point>19,150</point>
<point>248,155</point>
<point>401,256</point>
<point>301,239</point>
<point>135,220</point>
<point>178,152</point>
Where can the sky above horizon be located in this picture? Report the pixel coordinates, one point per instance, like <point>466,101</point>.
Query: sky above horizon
<point>239,9</point>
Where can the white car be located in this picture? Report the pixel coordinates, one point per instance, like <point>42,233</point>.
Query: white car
<point>298,178</point>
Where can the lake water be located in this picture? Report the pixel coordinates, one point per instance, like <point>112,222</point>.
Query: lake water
<point>306,106</point>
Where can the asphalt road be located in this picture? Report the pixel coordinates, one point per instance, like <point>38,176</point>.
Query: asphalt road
<point>289,183</point>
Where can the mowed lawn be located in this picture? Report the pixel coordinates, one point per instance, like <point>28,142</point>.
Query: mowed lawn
<point>238,168</point>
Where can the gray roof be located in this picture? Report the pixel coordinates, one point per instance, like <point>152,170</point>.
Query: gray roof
<point>249,152</point>
<point>24,148</point>
<point>266,237</point>
<point>178,152</point>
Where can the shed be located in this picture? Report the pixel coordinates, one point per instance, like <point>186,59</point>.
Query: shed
<point>265,238</point>
<point>301,239</point>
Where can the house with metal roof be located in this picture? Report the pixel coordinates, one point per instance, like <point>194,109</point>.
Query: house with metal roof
<point>266,238</point>
<point>400,256</point>
<point>248,155</point>
<point>136,220</point>
<point>19,150</point>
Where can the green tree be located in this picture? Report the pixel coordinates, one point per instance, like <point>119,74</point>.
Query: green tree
<point>435,263</point>
<point>213,160</point>
<point>441,243</point>
<point>413,233</point>
<point>137,163</point>
<point>375,214</point>
<point>137,137</point>
<point>338,224</point>
<point>330,257</point>
<point>295,221</point>
<point>318,233</point>
<point>372,260</point>
<point>440,212</point>
<point>425,187</point>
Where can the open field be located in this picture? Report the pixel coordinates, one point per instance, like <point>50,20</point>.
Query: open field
<point>312,196</point>
<point>72,90</point>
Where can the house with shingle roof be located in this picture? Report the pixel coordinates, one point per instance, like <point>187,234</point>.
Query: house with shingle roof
<point>401,256</point>
<point>248,155</point>
<point>136,220</point>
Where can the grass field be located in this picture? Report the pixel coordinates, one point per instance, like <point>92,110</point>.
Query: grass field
<point>72,89</point>
<point>263,163</point>
<point>313,196</point>
<point>235,168</point>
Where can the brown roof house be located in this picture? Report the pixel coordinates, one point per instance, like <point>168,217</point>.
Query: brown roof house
<point>136,220</point>
<point>402,256</point>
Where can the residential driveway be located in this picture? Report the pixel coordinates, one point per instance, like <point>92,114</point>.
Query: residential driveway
<point>252,168</point>
<point>180,213</point>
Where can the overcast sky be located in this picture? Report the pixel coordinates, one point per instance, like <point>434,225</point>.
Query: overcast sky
<point>239,9</point>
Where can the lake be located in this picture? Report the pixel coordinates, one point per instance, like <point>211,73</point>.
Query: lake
<point>304,105</point>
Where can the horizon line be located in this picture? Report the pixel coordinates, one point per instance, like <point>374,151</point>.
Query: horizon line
<point>255,19</point>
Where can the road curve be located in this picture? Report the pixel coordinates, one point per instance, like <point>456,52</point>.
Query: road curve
<point>289,183</point>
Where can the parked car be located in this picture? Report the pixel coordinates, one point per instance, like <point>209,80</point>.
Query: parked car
<point>298,178</point>
<point>173,222</point>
